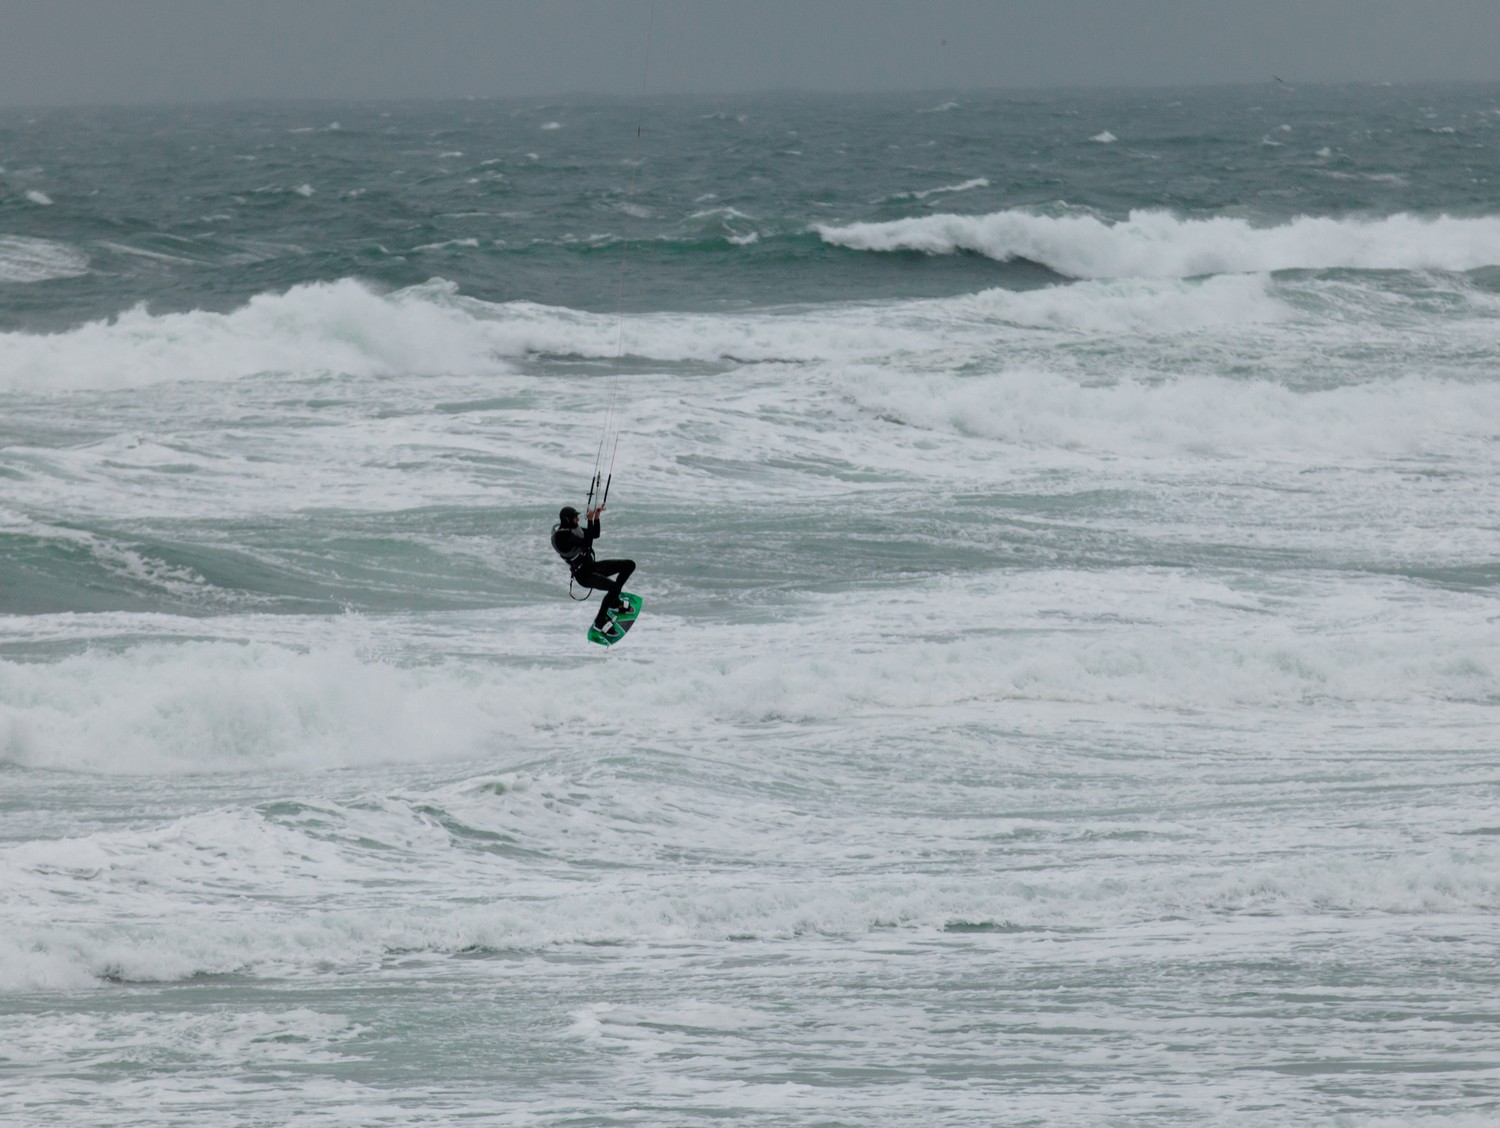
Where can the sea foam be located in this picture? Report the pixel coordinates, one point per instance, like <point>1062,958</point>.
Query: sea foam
<point>1158,244</point>
<point>335,883</point>
<point>351,328</point>
<point>224,707</point>
<point>24,259</point>
<point>344,327</point>
<point>1192,416</point>
<point>206,706</point>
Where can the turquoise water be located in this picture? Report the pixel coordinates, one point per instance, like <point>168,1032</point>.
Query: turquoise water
<point>1067,684</point>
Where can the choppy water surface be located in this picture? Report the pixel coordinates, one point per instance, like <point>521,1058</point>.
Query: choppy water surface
<point>1067,685</point>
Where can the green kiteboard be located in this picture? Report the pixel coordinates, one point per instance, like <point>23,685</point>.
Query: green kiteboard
<point>624,619</point>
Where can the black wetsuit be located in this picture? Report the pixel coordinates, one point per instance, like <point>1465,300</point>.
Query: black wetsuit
<point>576,546</point>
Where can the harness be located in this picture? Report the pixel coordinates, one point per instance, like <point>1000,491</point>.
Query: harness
<point>577,552</point>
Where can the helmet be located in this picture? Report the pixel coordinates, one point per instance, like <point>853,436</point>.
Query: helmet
<point>567,515</point>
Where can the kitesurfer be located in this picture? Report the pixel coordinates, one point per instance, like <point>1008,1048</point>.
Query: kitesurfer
<point>576,546</point>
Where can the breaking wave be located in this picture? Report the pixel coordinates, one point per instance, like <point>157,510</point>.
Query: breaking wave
<point>1157,244</point>
<point>25,259</point>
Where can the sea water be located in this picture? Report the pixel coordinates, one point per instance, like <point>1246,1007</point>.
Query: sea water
<point>1067,687</point>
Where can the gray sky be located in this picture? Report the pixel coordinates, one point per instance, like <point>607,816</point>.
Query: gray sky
<point>106,51</point>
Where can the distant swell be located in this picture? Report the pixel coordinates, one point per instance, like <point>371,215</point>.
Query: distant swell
<point>1156,244</point>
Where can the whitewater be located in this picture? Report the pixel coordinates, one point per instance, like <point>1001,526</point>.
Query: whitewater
<point>1067,682</point>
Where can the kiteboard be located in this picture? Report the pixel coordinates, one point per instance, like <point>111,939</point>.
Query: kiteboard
<point>624,619</point>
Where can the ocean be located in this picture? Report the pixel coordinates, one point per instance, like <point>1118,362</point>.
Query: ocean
<point>1067,687</point>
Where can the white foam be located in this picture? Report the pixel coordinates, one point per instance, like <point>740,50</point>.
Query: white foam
<point>323,327</point>
<point>719,212</point>
<point>40,198</point>
<point>229,1037</point>
<point>1104,137</point>
<point>931,333</point>
<point>154,256</point>
<point>1157,244</point>
<point>446,244</point>
<point>223,707</point>
<point>1118,307</point>
<point>214,707</point>
<point>166,903</point>
<point>1193,417</point>
<point>24,259</point>
<point>963,186</point>
<point>118,558</point>
<point>349,329</point>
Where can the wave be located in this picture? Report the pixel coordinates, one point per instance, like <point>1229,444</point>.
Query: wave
<point>148,905</point>
<point>1193,416</point>
<point>947,189</point>
<point>1157,244</point>
<point>217,707</point>
<point>50,565</point>
<point>345,327</point>
<point>24,259</point>
<point>335,700</point>
<point>349,328</point>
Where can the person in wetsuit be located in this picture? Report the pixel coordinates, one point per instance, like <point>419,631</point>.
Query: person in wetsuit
<point>576,546</point>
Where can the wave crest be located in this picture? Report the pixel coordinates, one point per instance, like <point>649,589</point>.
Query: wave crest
<point>24,259</point>
<point>1157,244</point>
<point>342,326</point>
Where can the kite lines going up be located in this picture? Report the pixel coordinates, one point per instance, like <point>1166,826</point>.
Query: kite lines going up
<point>610,435</point>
